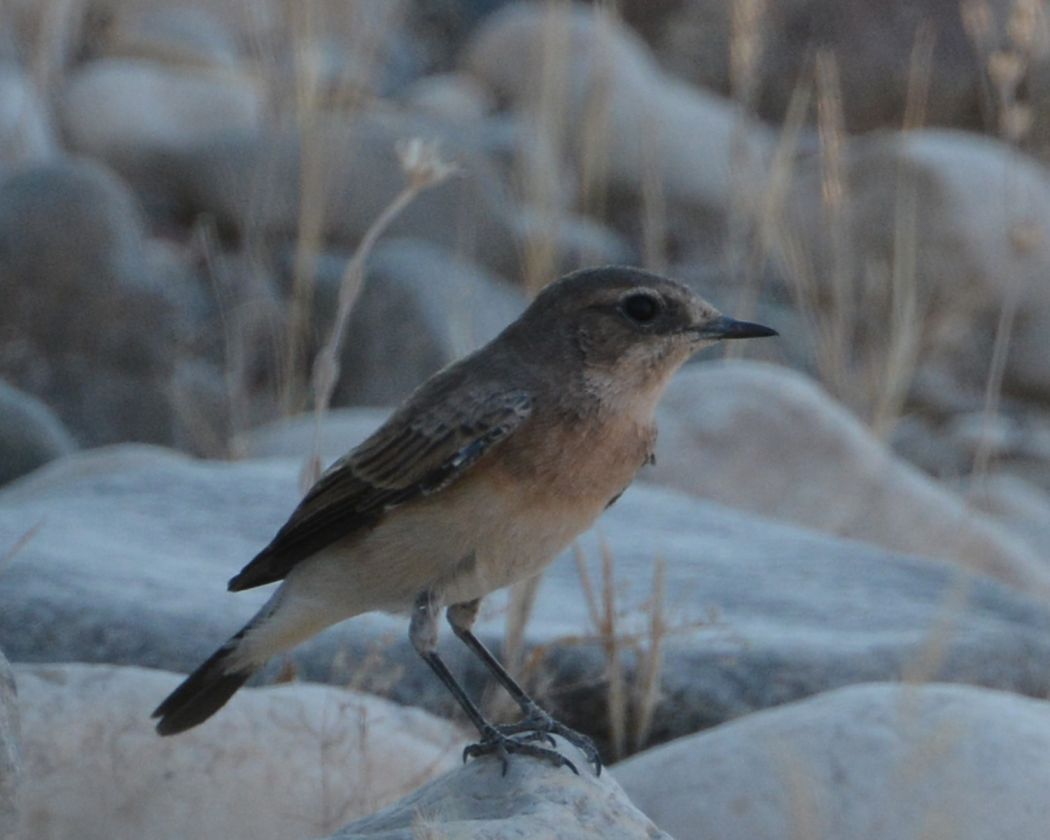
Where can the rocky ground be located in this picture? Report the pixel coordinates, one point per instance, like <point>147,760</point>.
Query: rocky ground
<point>823,612</point>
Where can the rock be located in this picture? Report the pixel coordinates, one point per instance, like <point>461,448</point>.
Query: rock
<point>922,443</point>
<point>290,761</point>
<point>973,209</point>
<point>559,240</point>
<point>348,52</point>
<point>130,26</point>
<point>229,376</point>
<point>865,762</point>
<point>252,181</point>
<point>872,53</point>
<point>91,330</point>
<point>133,547</point>
<point>1027,369</point>
<point>534,799</point>
<point>443,28</point>
<point>454,96</point>
<point>767,440</point>
<point>46,35</point>
<point>419,305</point>
<point>620,115</point>
<point>10,753</point>
<point>188,36</point>
<point>26,134</point>
<point>30,434</point>
<point>292,437</point>
<point>1017,503</point>
<point>112,107</point>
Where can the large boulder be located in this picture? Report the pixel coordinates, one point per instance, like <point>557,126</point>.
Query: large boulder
<point>10,756</point>
<point>933,235</point>
<point>97,330</point>
<point>341,176</point>
<point>769,440</point>
<point>420,309</point>
<point>26,133</point>
<point>133,546</point>
<point>533,799</point>
<point>293,437</point>
<point>126,27</point>
<point>1018,503</point>
<point>626,125</point>
<point>187,34</point>
<point>866,762</point>
<point>290,761</point>
<point>874,50</point>
<point>112,106</point>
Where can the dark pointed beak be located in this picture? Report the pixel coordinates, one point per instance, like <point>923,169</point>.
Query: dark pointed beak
<point>725,327</point>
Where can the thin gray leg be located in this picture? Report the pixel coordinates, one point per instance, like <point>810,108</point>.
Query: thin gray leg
<point>423,635</point>
<point>461,617</point>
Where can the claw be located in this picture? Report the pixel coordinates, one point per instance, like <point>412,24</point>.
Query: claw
<point>540,725</point>
<point>503,746</point>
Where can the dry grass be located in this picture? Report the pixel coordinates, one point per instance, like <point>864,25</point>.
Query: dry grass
<point>632,696</point>
<point>1027,38</point>
<point>9,554</point>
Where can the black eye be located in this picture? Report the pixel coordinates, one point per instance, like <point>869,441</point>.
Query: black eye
<point>641,308</point>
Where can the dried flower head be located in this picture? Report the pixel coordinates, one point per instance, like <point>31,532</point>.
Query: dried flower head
<point>422,163</point>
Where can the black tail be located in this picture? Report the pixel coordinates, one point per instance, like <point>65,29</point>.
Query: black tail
<point>202,693</point>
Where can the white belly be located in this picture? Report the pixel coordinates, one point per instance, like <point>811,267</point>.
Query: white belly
<point>477,539</point>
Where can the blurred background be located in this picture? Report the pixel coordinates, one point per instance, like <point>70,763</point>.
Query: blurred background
<point>184,186</point>
<point>222,219</point>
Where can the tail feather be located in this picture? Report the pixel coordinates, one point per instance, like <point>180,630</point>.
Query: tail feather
<point>203,692</point>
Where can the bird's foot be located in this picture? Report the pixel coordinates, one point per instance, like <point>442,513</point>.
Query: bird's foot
<point>540,726</point>
<point>496,741</point>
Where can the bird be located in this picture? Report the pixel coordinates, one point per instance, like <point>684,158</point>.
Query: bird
<point>484,474</point>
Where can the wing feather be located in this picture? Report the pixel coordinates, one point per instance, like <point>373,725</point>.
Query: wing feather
<point>414,454</point>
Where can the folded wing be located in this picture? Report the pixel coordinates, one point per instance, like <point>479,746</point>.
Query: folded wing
<point>417,452</point>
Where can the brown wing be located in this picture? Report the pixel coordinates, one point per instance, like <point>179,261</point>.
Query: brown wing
<point>414,454</point>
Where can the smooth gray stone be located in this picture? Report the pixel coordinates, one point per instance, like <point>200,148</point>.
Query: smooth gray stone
<point>868,762</point>
<point>534,799</point>
<point>133,546</point>
<point>30,434</point>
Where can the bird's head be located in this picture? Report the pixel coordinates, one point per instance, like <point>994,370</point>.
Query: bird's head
<point>629,329</point>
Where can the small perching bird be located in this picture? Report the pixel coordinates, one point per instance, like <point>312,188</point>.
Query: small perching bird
<point>481,477</point>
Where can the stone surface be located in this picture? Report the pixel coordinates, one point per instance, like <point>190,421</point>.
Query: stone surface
<point>534,799</point>
<point>621,118</point>
<point>348,52</point>
<point>253,182</point>
<point>449,95</point>
<point>1016,502</point>
<point>290,761</point>
<point>116,106</point>
<point>184,35</point>
<point>768,440</point>
<point>419,305</point>
<point>133,547</point>
<point>10,752</point>
<point>252,25</point>
<point>293,437</point>
<point>872,50</point>
<point>867,762</point>
<point>970,210</point>
<point>26,134</point>
<point>86,325</point>
<point>30,434</point>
